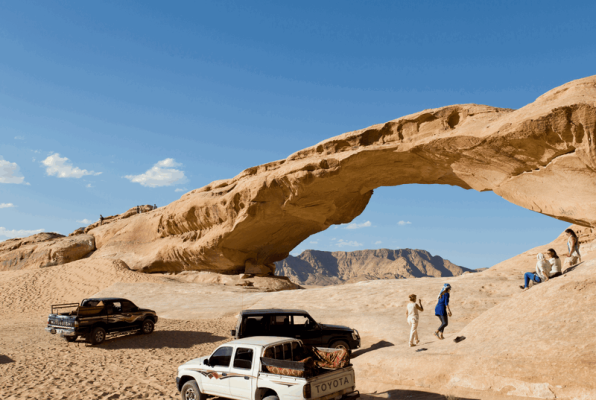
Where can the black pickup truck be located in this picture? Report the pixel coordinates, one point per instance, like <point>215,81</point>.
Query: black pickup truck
<point>95,318</point>
<point>295,324</point>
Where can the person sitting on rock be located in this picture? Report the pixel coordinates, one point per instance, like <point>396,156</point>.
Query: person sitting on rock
<point>555,263</point>
<point>542,272</point>
<point>573,256</point>
<point>442,310</point>
<point>412,315</point>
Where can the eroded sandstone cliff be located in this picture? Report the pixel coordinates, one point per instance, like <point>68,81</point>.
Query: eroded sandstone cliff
<point>259,216</point>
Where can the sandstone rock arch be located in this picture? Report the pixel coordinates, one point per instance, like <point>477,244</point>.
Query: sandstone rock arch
<point>541,157</point>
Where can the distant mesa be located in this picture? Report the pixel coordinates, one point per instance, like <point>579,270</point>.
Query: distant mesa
<point>314,267</point>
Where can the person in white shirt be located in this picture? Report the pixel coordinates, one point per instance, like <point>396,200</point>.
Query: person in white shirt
<point>542,272</point>
<point>573,254</point>
<point>412,314</point>
<point>555,262</point>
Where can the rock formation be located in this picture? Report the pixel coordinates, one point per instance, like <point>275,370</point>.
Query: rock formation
<point>259,216</point>
<point>313,267</point>
<point>44,250</point>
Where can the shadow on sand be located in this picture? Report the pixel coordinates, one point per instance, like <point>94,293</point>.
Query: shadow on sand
<point>5,359</point>
<point>405,394</point>
<point>376,346</point>
<point>159,340</point>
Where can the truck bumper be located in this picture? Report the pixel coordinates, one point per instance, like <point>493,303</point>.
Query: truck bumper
<point>178,383</point>
<point>339,396</point>
<point>61,331</point>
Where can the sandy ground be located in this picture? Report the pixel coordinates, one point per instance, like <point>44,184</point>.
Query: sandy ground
<point>37,365</point>
<point>532,344</point>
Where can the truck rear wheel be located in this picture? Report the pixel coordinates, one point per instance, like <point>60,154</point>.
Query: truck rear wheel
<point>190,391</point>
<point>98,335</point>
<point>340,344</point>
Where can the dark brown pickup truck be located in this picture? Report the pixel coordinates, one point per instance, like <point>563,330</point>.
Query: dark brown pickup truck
<point>96,318</point>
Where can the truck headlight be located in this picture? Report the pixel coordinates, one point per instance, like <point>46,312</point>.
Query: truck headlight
<point>355,335</point>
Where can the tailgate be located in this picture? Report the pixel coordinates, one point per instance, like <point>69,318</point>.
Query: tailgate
<point>332,382</point>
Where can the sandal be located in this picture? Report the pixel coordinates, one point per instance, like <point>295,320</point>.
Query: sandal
<point>522,287</point>
<point>437,335</point>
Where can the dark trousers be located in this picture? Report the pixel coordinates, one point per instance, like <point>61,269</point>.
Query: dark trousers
<point>444,322</point>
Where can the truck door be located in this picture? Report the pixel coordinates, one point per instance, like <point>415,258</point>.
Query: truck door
<point>305,329</point>
<point>216,380</point>
<point>241,377</point>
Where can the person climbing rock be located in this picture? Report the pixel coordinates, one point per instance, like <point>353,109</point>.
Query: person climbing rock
<point>555,263</point>
<point>100,219</point>
<point>155,206</point>
<point>138,209</point>
<point>412,315</point>
<point>442,310</point>
<point>573,255</point>
<point>542,274</point>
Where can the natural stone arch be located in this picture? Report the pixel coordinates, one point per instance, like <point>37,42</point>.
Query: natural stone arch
<point>541,157</point>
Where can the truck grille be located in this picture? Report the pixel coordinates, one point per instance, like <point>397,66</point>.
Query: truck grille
<point>61,322</point>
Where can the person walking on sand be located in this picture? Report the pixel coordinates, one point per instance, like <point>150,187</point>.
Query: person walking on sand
<point>555,263</point>
<point>573,255</point>
<point>442,310</point>
<point>542,274</point>
<point>412,315</point>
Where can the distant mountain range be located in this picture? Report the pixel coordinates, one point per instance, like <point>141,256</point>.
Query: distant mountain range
<point>313,267</point>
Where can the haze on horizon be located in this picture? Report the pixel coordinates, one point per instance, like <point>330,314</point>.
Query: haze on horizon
<point>106,106</point>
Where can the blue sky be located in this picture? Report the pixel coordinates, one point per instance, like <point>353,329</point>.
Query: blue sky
<point>107,105</point>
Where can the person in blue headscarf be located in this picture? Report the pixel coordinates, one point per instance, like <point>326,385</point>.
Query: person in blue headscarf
<point>442,309</point>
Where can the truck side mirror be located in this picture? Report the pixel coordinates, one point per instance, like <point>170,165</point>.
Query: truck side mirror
<point>233,332</point>
<point>206,361</point>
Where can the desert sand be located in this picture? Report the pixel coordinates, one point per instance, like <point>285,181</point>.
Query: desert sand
<point>536,344</point>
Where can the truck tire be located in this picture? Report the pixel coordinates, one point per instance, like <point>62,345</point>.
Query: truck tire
<point>70,339</point>
<point>97,336</point>
<point>190,391</point>
<point>147,327</point>
<point>272,397</point>
<point>340,344</point>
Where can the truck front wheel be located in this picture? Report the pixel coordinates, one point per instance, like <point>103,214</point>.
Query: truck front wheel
<point>98,335</point>
<point>340,344</point>
<point>272,397</point>
<point>147,327</point>
<point>190,391</point>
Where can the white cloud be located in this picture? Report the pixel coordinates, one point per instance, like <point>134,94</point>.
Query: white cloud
<point>6,205</point>
<point>9,172</point>
<point>181,190</point>
<point>62,168</point>
<point>84,221</point>
<point>161,174</point>
<point>350,243</point>
<point>89,185</point>
<point>19,138</point>
<point>402,223</point>
<point>358,226</point>
<point>314,242</point>
<point>378,242</point>
<point>17,234</point>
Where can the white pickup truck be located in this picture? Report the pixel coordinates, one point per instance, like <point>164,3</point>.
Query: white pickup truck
<point>235,371</point>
